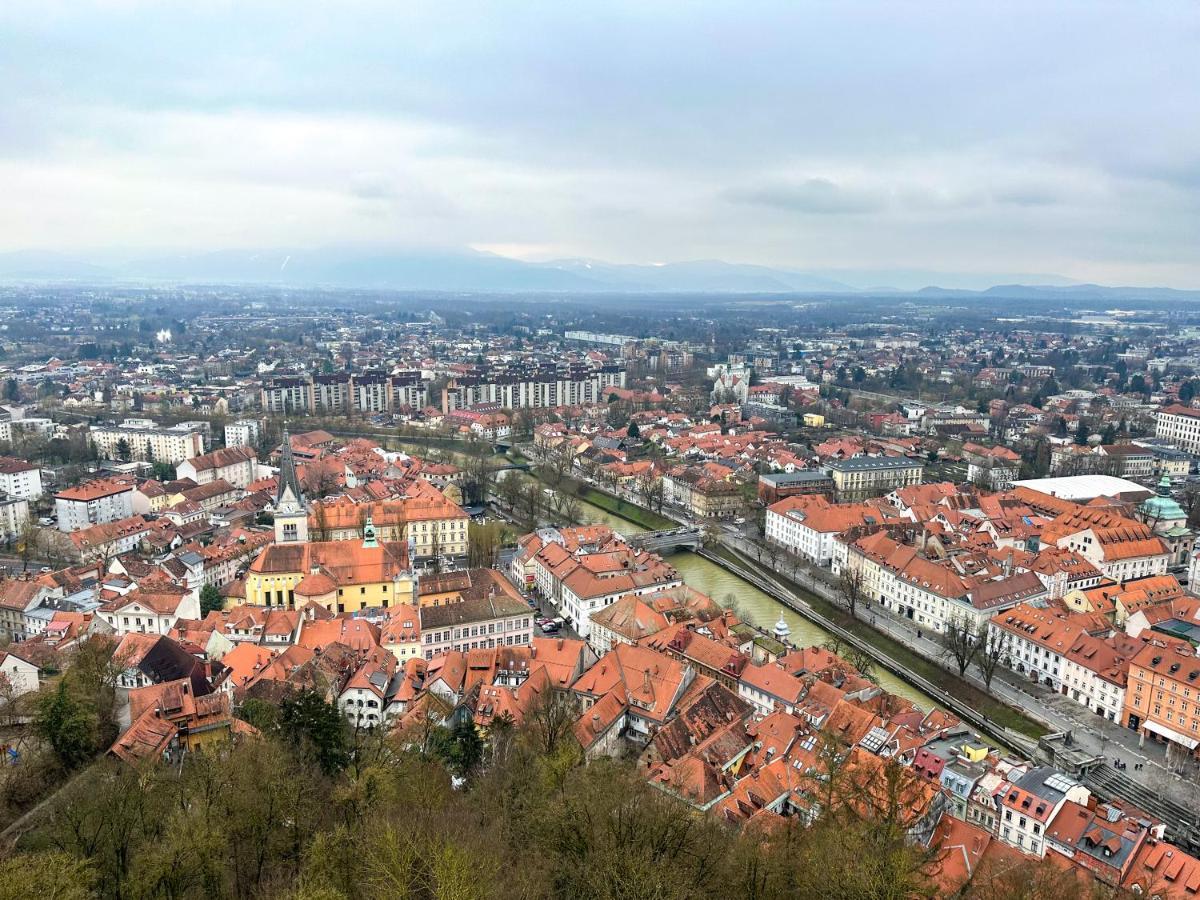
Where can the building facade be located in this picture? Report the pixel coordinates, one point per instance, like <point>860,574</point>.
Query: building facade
<point>147,442</point>
<point>862,477</point>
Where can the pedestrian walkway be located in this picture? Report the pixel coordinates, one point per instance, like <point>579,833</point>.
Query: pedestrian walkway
<point>1092,734</point>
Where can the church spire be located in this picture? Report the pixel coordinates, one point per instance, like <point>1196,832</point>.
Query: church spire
<point>287,475</point>
<point>291,513</point>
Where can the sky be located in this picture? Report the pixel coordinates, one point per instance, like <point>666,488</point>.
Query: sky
<point>1040,137</point>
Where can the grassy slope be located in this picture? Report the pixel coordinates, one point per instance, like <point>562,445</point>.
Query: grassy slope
<point>626,510</point>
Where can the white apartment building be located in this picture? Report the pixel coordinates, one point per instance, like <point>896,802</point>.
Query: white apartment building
<point>287,396</point>
<point>1120,554</point>
<point>372,393</point>
<point>1046,648</point>
<point>332,392</point>
<point>1027,807</point>
<point>408,389</point>
<point>574,388</point>
<point>93,503</point>
<point>148,442</point>
<point>930,594</point>
<point>110,539</point>
<point>364,698</point>
<point>1180,425</point>
<point>243,433</point>
<point>583,593</point>
<point>20,672</point>
<point>770,688</point>
<point>861,477</point>
<point>807,525</point>
<point>236,465</point>
<point>583,584</point>
<point>19,478</point>
<point>14,512</point>
<point>149,612</point>
<point>495,621</point>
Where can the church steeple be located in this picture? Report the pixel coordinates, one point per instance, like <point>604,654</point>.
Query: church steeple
<point>289,485</point>
<point>291,512</point>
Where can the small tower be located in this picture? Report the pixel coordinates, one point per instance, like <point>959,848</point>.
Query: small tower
<point>291,512</point>
<point>781,629</point>
<point>369,539</point>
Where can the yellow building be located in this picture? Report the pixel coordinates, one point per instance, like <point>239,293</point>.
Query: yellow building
<point>432,523</point>
<point>341,576</point>
<point>814,420</point>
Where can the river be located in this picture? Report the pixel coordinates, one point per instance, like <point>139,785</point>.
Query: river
<point>751,604</point>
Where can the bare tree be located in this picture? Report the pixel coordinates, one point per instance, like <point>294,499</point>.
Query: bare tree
<point>11,705</point>
<point>993,653</point>
<point>852,589</point>
<point>650,489</point>
<point>320,479</point>
<point>533,502</point>
<point>550,720</point>
<point>478,473</point>
<point>321,530</point>
<point>435,548</point>
<point>559,462</point>
<point>509,489</point>
<point>960,642</point>
<point>572,509</point>
<point>29,542</point>
<point>482,543</point>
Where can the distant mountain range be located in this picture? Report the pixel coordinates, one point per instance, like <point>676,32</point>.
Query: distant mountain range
<point>470,271</point>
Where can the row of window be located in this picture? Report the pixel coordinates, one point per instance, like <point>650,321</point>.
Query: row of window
<point>508,641</point>
<point>451,634</point>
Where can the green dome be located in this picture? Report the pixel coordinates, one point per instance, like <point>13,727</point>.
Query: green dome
<point>1162,506</point>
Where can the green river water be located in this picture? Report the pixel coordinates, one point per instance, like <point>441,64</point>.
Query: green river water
<point>751,603</point>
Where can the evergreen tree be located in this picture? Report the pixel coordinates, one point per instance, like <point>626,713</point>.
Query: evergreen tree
<point>210,600</point>
<point>317,725</point>
<point>67,725</point>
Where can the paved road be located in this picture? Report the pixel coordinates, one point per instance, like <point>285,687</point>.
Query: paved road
<point>15,564</point>
<point>1090,733</point>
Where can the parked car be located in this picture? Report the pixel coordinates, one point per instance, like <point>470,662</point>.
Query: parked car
<point>550,628</point>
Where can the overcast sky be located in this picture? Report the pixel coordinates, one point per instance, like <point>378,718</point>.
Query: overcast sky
<point>1041,137</point>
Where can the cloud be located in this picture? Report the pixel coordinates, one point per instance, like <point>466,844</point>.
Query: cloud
<point>813,196</point>
<point>372,186</point>
<point>782,132</point>
<point>1027,195</point>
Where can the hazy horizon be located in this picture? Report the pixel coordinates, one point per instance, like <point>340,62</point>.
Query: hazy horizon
<point>1060,140</point>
